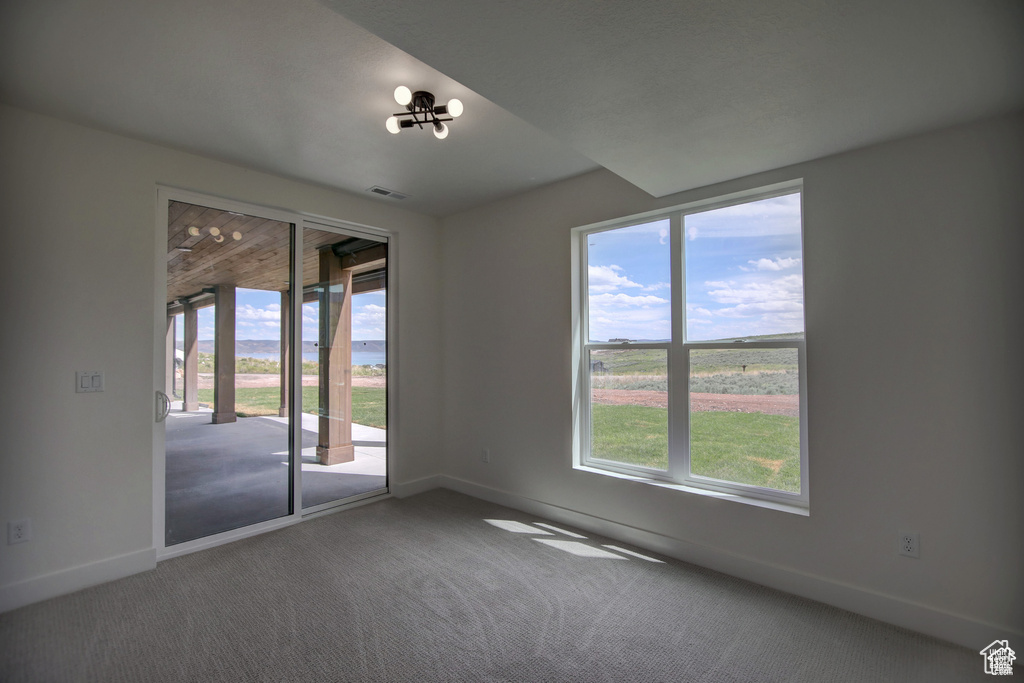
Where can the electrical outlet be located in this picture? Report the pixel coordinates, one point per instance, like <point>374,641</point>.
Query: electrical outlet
<point>485,455</point>
<point>910,544</point>
<point>19,531</point>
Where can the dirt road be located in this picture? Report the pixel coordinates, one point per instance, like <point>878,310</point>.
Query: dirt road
<point>206,381</point>
<point>780,404</point>
<point>732,403</point>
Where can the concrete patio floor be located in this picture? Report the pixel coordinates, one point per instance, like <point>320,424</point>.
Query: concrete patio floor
<point>225,476</point>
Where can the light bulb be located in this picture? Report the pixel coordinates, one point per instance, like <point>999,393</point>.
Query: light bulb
<point>237,235</point>
<point>193,230</point>
<point>392,125</point>
<point>214,231</point>
<point>218,238</point>
<point>403,95</point>
<point>455,108</point>
<point>440,131</point>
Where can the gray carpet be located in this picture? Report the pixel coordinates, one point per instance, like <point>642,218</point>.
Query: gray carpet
<point>424,589</point>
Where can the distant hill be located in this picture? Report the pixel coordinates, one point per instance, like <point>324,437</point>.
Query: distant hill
<point>245,347</point>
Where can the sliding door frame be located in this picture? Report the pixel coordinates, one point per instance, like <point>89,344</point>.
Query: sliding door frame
<point>299,221</point>
<point>345,230</point>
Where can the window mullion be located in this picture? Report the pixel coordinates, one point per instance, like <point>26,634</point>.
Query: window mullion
<point>678,369</point>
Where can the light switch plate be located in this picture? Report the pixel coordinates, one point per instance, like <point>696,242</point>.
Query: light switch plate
<point>88,381</point>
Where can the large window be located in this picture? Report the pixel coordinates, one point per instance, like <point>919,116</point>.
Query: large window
<point>691,357</point>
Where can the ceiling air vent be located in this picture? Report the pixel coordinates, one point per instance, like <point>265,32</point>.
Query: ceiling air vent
<point>385,192</point>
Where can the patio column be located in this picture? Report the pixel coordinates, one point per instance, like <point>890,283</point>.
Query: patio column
<point>286,338</point>
<point>224,362</point>
<point>190,374</point>
<point>335,429</point>
<point>169,348</point>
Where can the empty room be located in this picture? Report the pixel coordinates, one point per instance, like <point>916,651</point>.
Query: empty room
<point>536,341</point>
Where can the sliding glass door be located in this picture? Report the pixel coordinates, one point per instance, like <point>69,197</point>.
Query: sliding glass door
<point>277,392</point>
<point>344,366</point>
<point>227,434</point>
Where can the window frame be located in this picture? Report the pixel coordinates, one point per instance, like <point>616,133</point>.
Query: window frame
<point>677,475</point>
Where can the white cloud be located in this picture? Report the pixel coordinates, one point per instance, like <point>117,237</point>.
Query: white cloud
<point>759,304</point>
<point>644,323</point>
<point>778,309</point>
<point>663,236</point>
<point>602,300</point>
<point>607,279</point>
<point>774,264</point>
<point>788,288</point>
<point>371,314</point>
<point>634,317</point>
<point>775,216</point>
<point>656,286</point>
<point>697,310</point>
<point>250,312</point>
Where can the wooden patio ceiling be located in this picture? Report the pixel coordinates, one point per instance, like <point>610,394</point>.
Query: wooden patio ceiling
<point>259,260</point>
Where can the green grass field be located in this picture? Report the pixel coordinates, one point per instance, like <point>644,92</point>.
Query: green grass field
<point>748,448</point>
<point>654,361</point>
<point>369,404</point>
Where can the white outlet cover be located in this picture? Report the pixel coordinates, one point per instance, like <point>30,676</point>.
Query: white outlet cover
<point>19,531</point>
<point>909,544</point>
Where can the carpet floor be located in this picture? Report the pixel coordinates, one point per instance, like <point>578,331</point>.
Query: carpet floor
<point>444,587</point>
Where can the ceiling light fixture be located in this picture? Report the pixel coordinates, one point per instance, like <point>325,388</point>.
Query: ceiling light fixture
<point>421,112</point>
<point>213,231</point>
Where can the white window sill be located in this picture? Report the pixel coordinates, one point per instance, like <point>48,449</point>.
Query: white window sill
<point>746,500</point>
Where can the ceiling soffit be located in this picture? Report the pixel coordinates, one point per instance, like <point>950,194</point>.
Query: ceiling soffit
<point>672,95</point>
<point>289,88</point>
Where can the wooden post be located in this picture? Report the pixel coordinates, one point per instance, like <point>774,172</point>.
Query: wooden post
<point>286,338</point>
<point>224,363</point>
<point>169,349</point>
<point>190,375</point>
<point>335,428</point>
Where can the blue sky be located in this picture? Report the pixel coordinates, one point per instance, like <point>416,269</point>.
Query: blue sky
<point>744,274</point>
<point>258,316</point>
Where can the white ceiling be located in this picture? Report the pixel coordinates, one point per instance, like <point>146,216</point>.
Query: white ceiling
<point>676,94</point>
<point>668,94</point>
<point>287,87</point>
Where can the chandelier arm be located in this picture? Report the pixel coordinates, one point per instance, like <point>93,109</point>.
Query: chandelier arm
<point>421,111</point>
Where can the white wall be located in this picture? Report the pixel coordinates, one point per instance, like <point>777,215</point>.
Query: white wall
<point>77,209</point>
<point>914,308</point>
<point>914,321</point>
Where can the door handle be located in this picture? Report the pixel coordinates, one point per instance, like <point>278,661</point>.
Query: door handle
<point>163,406</point>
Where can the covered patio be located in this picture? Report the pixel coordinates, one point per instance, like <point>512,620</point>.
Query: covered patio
<point>221,477</point>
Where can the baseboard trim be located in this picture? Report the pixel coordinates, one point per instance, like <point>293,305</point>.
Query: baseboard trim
<point>411,488</point>
<point>21,593</point>
<point>955,628</point>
